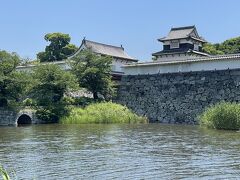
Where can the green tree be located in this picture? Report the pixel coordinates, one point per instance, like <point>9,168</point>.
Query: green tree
<point>48,90</point>
<point>93,73</point>
<point>229,46</point>
<point>58,49</point>
<point>12,83</point>
<point>212,49</point>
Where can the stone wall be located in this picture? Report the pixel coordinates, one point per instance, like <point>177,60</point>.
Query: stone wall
<point>9,117</point>
<point>178,97</point>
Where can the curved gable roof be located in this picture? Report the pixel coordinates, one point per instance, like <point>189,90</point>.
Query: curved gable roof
<point>105,49</point>
<point>182,33</point>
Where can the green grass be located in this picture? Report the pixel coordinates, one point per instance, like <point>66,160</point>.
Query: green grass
<point>223,115</point>
<point>106,112</point>
<point>4,173</point>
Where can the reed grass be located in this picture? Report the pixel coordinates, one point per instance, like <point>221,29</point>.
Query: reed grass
<point>106,112</point>
<point>4,173</point>
<point>224,115</point>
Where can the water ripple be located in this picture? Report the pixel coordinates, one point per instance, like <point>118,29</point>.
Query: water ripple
<point>120,152</point>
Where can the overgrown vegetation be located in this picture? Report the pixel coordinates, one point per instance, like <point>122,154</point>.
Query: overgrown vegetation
<point>93,73</point>
<point>83,101</point>
<point>46,87</point>
<point>58,49</point>
<point>105,112</point>
<point>12,83</point>
<point>50,83</point>
<point>229,46</point>
<point>224,115</point>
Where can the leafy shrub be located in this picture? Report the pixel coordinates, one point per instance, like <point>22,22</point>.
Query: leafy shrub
<point>28,102</point>
<point>67,100</point>
<point>102,113</point>
<point>84,101</point>
<point>52,114</point>
<point>223,115</point>
<point>46,115</point>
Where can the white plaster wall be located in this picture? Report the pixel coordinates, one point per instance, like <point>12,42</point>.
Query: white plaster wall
<point>175,57</point>
<point>117,64</point>
<point>25,68</point>
<point>181,41</point>
<point>182,67</point>
<point>64,65</point>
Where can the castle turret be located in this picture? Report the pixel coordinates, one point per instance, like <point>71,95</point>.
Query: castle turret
<point>181,43</point>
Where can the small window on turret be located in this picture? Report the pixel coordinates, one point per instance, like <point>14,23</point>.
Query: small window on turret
<point>196,47</point>
<point>174,44</point>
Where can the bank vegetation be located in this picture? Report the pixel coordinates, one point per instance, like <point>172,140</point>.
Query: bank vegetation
<point>105,112</point>
<point>48,88</point>
<point>223,115</point>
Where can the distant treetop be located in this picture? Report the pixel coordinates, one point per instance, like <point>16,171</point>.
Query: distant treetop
<point>230,46</point>
<point>58,49</point>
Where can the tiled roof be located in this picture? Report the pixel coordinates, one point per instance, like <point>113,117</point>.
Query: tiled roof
<point>106,49</point>
<point>177,51</point>
<point>210,58</point>
<point>181,33</point>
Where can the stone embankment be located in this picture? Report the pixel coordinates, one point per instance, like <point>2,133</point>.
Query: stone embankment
<point>10,117</point>
<point>178,97</point>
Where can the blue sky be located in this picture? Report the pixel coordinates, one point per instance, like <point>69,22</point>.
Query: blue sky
<point>136,24</point>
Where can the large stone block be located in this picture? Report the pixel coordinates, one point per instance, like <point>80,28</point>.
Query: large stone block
<point>178,97</point>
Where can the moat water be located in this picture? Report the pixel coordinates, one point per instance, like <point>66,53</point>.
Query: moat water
<point>148,151</point>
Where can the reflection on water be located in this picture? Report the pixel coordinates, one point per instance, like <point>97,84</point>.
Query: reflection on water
<point>149,151</point>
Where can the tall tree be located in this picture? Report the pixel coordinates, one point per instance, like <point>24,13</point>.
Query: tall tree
<point>93,73</point>
<point>12,83</point>
<point>58,49</point>
<point>50,85</point>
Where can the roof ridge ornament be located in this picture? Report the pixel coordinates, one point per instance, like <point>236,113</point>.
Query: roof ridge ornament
<point>183,27</point>
<point>84,39</point>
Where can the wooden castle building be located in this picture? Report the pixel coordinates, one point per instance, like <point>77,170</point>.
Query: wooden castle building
<point>181,43</point>
<point>120,57</point>
<point>182,52</point>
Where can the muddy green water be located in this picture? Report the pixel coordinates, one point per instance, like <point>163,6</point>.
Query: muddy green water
<point>150,151</point>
